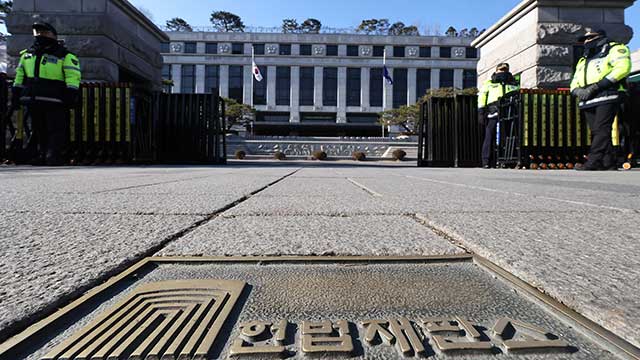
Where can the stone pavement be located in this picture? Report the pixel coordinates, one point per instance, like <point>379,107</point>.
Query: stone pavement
<point>573,235</point>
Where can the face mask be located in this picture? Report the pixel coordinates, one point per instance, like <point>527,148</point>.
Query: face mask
<point>44,42</point>
<point>593,46</point>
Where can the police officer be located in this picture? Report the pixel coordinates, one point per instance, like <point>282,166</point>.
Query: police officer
<point>501,83</point>
<point>47,82</point>
<point>599,85</point>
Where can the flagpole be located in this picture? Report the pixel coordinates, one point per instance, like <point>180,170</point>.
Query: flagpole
<point>253,61</point>
<point>384,87</point>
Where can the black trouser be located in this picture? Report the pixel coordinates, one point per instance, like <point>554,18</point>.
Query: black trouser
<point>49,124</point>
<point>488,158</point>
<point>600,120</point>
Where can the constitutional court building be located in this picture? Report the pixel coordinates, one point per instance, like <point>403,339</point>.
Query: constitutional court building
<point>317,84</point>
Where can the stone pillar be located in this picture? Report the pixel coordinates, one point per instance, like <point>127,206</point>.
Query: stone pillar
<point>341,117</point>
<point>224,81</point>
<point>435,78</point>
<point>271,87</point>
<point>295,95</point>
<point>412,82</point>
<point>247,82</point>
<point>176,74</point>
<point>365,101</point>
<point>540,43</point>
<point>200,74</point>
<point>458,75</point>
<point>317,83</point>
<point>109,37</point>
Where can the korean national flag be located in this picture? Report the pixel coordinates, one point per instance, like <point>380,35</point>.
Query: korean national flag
<point>387,76</point>
<point>256,72</point>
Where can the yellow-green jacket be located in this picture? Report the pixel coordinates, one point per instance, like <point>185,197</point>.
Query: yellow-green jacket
<point>491,93</point>
<point>48,76</point>
<point>612,62</point>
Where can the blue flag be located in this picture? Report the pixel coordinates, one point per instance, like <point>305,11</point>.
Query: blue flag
<point>387,76</point>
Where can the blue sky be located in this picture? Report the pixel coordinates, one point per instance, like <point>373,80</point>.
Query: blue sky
<point>343,13</point>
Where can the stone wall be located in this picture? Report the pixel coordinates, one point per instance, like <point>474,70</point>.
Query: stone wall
<point>114,40</point>
<point>538,38</point>
<point>337,148</point>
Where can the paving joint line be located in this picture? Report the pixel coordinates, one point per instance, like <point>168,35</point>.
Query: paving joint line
<point>150,184</point>
<point>64,300</point>
<point>365,188</point>
<point>451,238</point>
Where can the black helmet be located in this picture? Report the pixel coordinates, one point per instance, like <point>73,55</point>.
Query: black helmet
<point>43,26</point>
<point>592,35</point>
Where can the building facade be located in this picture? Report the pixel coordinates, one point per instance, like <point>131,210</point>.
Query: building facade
<point>317,84</point>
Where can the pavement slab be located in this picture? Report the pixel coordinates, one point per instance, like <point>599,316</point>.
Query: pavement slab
<point>312,235</point>
<point>48,257</point>
<point>589,260</point>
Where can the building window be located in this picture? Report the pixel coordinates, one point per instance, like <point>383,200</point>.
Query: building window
<point>283,85</point>
<point>237,49</point>
<point>211,79</point>
<point>285,49</point>
<point>423,82</point>
<point>399,87</point>
<point>375,87</point>
<point>305,50</point>
<point>445,52</point>
<point>425,51</point>
<point>398,51</point>
<point>236,81</point>
<point>165,48</point>
<point>332,50</point>
<point>353,86</point>
<point>188,83</point>
<point>306,86</point>
<point>260,88</point>
<point>446,78</point>
<point>211,48</point>
<point>258,49</point>
<point>469,79</point>
<point>378,51</point>
<point>190,48</point>
<point>352,50</point>
<point>471,53</point>
<point>330,86</point>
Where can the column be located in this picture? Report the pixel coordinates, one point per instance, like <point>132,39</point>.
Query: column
<point>364,89</point>
<point>200,74</point>
<point>317,86</point>
<point>271,87</point>
<point>224,81</point>
<point>247,82</point>
<point>412,83</point>
<point>294,115</point>
<point>458,75</point>
<point>176,75</point>
<point>435,78</point>
<point>341,117</point>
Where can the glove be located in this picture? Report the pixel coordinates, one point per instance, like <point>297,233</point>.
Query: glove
<point>71,97</point>
<point>482,116</point>
<point>16,93</point>
<point>586,93</point>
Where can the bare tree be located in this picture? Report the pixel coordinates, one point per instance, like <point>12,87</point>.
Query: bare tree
<point>290,26</point>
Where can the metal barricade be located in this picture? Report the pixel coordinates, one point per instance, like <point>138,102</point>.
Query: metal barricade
<point>449,133</point>
<point>191,128</point>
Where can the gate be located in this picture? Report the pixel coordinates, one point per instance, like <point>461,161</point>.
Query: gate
<point>190,128</point>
